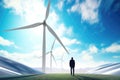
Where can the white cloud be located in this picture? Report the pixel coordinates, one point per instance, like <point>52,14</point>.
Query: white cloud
<point>35,58</point>
<point>115,47</point>
<point>116,57</point>
<point>31,10</point>
<point>69,42</point>
<point>88,10</point>
<point>69,1</point>
<point>59,51</point>
<point>93,49</point>
<point>53,19</point>
<point>86,56</point>
<point>75,7</point>
<point>63,30</point>
<point>60,4</point>
<point>14,5</point>
<point>5,42</point>
<point>25,58</point>
<point>87,59</point>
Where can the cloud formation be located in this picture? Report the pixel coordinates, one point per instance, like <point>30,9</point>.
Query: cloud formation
<point>88,9</point>
<point>30,10</point>
<point>113,48</point>
<point>116,57</point>
<point>87,56</point>
<point>60,4</point>
<point>5,42</point>
<point>24,58</point>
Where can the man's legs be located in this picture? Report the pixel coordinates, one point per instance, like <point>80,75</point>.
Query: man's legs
<point>71,71</point>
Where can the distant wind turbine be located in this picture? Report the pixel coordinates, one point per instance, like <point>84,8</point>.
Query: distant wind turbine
<point>44,35</point>
<point>61,60</point>
<point>51,55</point>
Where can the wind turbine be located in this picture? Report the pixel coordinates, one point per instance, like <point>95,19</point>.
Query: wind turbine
<point>44,35</point>
<point>51,55</point>
<point>61,62</point>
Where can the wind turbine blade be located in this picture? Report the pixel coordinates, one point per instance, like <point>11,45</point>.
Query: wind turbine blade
<point>53,45</point>
<point>25,27</point>
<point>55,35</point>
<point>54,59</point>
<point>47,11</point>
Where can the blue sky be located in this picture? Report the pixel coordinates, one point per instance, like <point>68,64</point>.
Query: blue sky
<point>88,28</point>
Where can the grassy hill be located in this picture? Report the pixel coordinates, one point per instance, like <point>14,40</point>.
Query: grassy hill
<point>63,77</point>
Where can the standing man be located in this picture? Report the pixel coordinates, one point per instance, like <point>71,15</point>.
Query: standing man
<point>72,65</point>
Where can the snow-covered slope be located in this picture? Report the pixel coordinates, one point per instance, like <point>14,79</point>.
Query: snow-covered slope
<point>112,69</point>
<point>10,67</point>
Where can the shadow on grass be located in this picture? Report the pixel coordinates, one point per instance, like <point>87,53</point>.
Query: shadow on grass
<point>13,77</point>
<point>85,78</point>
<point>62,77</point>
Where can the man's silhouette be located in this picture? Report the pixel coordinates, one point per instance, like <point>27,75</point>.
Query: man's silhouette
<point>72,65</point>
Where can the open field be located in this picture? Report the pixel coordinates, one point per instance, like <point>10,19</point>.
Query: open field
<point>64,77</point>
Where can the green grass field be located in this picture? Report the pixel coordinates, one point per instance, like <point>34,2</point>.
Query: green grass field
<point>63,77</point>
